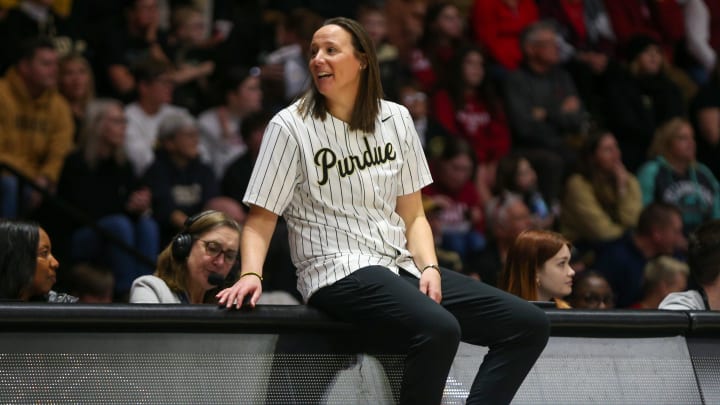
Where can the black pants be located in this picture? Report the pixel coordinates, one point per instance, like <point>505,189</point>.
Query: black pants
<point>514,330</point>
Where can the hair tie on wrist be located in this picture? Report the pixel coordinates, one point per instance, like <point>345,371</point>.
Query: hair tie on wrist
<point>251,273</point>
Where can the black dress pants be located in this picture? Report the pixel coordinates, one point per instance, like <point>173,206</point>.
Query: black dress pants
<point>514,330</point>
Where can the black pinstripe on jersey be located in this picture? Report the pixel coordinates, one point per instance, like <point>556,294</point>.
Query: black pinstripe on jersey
<point>339,221</point>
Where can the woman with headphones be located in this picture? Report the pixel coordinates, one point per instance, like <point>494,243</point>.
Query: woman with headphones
<point>199,259</point>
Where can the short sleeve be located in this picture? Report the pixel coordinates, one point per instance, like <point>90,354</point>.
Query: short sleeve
<point>415,173</point>
<point>274,175</point>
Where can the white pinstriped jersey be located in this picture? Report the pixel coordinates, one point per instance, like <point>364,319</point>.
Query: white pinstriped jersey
<point>338,189</point>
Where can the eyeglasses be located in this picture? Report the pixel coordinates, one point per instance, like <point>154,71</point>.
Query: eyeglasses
<point>214,249</point>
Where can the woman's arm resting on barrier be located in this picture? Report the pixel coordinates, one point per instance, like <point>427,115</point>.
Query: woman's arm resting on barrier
<point>254,244</point>
<point>420,243</point>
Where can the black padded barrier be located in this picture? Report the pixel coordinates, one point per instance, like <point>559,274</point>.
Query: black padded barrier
<point>183,354</point>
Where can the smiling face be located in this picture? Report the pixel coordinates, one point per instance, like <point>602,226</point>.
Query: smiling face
<point>46,268</point>
<point>555,276</point>
<point>335,66</point>
<point>202,262</point>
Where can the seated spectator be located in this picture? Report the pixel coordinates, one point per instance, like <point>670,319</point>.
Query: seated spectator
<point>661,20</point>
<point>446,258</point>
<point>674,176</point>
<point>201,258</point>
<point>236,177</point>
<point>91,284</point>
<point>33,19</point>
<point>497,26</point>
<point>192,60</point>
<point>544,110</point>
<point>663,275</point>
<point>154,89</point>
<point>221,141</point>
<point>443,34</point>
<point>584,25</point>
<point>28,269</point>
<point>588,49</point>
<point>77,85</point>
<point>603,200</point>
<point>703,258</point>
<point>467,106</point>
<point>405,26</point>
<point>432,134</point>
<point>591,291</point>
<point>180,183</point>
<point>286,67</point>
<point>516,175</point>
<point>98,180</point>
<point>702,36</point>
<point>705,115</point>
<point>622,262</point>
<point>454,191</point>
<point>506,217</point>
<point>371,15</point>
<point>137,40</point>
<point>36,126</point>
<point>538,268</point>
<point>640,99</point>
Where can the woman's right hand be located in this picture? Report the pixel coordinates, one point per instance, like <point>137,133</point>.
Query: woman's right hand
<point>621,177</point>
<point>248,286</point>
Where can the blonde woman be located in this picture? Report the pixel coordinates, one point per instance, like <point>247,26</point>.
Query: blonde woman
<point>674,176</point>
<point>76,84</point>
<point>98,179</point>
<point>663,275</point>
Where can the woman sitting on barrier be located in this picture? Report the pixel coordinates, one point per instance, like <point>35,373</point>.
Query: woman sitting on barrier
<point>538,268</point>
<point>28,269</point>
<point>345,169</point>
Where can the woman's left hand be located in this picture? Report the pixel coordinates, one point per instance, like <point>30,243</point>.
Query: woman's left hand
<point>430,284</point>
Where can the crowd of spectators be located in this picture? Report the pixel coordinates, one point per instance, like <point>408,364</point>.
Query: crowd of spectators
<point>597,119</point>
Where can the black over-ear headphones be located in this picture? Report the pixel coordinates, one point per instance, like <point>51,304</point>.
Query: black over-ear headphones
<point>182,242</point>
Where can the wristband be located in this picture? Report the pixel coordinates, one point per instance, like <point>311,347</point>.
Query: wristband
<point>251,273</point>
<point>431,266</point>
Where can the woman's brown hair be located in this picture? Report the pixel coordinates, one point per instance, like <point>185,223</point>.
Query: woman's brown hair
<point>367,104</point>
<point>528,254</point>
<point>175,272</point>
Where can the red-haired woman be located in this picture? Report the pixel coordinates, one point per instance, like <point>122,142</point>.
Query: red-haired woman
<point>538,267</point>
